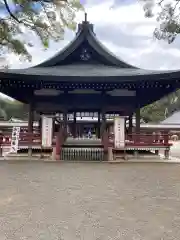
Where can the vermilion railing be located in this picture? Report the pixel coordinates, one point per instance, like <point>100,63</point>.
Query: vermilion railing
<point>24,139</point>
<point>144,139</point>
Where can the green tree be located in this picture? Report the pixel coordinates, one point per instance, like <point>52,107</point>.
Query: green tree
<point>161,109</point>
<point>168,17</point>
<point>48,19</point>
<point>154,113</point>
<point>9,109</point>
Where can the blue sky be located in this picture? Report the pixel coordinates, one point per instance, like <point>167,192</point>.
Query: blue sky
<point>129,36</point>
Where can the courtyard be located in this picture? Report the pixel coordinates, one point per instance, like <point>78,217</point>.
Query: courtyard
<point>58,201</point>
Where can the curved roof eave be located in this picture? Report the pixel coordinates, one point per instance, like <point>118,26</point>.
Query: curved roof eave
<point>87,71</point>
<point>62,54</point>
<point>85,33</point>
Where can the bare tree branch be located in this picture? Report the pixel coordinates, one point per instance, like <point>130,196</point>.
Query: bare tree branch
<point>9,11</point>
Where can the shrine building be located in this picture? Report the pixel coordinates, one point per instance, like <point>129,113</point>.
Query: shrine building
<point>86,80</point>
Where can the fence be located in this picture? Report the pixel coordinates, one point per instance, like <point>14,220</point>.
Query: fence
<point>82,154</point>
<point>144,139</point>
<point>131,139</point>
<point>24,139</point>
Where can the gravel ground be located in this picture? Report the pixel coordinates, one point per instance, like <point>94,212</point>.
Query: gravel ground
<point>87,201</point>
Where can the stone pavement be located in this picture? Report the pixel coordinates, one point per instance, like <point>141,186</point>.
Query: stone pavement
<point>88,201</point>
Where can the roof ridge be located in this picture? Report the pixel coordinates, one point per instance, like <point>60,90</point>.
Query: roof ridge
<point>84,35</point>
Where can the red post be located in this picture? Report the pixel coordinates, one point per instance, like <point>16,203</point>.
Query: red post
<point>1,143</point>
<point>166,138</point>
<point>105,140</point>
<point>58,145</point>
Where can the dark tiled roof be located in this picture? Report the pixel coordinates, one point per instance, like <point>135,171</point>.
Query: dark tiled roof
<point>65,66</point>
<point>87,70</point>
<point>85,39</point>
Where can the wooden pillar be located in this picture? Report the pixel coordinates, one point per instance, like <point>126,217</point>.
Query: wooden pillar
<point>1,142</point>
<point>65,122</point>
<point>40,133</point>
<point>166,143</point>
<point>74,126</point>
<point>104,135</point>
<point>130,124</point>
<point>166,154</point>
<point>103,122</point>
<point>79,130</point>
<point>30,129</point>
<point>99,126</point>
<point>58,143</point>
<point>137,137</point>
<point>138,119</point>
<point>156,152</point>
<point>40,124</point>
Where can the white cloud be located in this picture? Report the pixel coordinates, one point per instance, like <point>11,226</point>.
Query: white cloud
<point>129,36</point>
<point>104,13</point>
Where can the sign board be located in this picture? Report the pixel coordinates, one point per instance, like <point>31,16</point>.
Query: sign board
<point>47,128</point>
<point>15,139</point>
<point>119,132</point>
